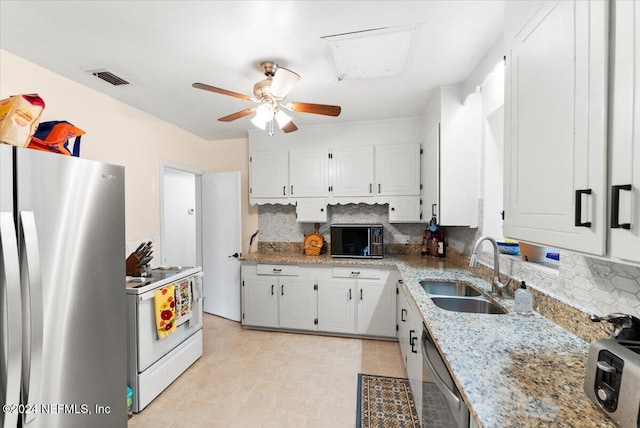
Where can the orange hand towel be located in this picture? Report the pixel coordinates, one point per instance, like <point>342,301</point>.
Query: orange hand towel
<point>164,304</point>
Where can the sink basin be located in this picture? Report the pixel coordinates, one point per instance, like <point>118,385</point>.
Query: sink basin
<point>446,288</point>
<point>476,306</point>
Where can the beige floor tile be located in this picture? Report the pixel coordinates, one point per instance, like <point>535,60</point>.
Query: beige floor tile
<point>252,379</point>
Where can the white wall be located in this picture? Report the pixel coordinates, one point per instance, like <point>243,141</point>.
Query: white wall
<point>120,134</point>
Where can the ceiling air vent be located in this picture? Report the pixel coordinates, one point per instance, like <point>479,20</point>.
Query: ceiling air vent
<point>109,77</point>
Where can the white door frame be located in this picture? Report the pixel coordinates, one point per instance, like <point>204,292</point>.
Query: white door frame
<point>164,165</point>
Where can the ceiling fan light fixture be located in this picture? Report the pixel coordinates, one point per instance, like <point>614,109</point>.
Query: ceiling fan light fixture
<point>264,112</point>
<point>282,118</point>
<point>259,123</point>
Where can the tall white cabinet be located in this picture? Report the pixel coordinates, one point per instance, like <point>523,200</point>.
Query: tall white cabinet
<point>624,167</point>
<point>555,123</point>
<point>451,159</point>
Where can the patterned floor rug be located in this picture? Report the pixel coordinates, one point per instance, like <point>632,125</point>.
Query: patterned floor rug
<point>385,402</point>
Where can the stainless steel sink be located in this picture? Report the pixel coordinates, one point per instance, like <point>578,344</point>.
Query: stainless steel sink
<point>446,288</point>
<point>477,306</point>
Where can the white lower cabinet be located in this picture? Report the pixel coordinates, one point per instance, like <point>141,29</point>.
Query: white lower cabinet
<point>274,296</point>
<point>298,303</point>
<point>336,305</point>
<point>259,301</point>
<point>376,308</point>
<point>342,300</point>
<point>409,336</point>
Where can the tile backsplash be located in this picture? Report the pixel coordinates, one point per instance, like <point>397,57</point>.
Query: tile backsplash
<point>588,284</point>
<point>277,223</point>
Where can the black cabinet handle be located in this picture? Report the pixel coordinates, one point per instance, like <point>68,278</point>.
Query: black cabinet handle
<point>321,210</point>
<point>370,187</point>
<point>412,341</point>
<point>393,209</point>
<point>402,312</point>
<point>282,289</point>
<point>615,206</point>
<point>272,289</point>
<point>284,190</point>
<point>361,294</point>
<point>349,294</point>
<point>292,189</point>
<point>277,270</point>
<point>379,188</point>
<point>578,214</point>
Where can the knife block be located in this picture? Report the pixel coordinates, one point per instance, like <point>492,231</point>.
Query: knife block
<point>132,268</point>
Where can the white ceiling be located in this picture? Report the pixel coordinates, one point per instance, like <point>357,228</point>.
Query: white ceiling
<point>162,47</point>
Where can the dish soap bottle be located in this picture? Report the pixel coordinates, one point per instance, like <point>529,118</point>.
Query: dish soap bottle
<point>524,300</point>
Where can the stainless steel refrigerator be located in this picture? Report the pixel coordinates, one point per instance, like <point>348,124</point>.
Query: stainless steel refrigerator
<point>62,296</point>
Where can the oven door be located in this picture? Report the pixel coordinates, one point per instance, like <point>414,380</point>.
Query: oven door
<point>442,405</point>
<point>150,348</point>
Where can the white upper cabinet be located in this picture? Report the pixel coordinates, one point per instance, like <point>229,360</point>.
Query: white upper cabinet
<point>397,170</point>
<point>269,174</point>
<point>309,172</point>
<point>352,171</point>
<point>405,209</point>
<point>451,158</point>
<point>624,164</point>
<point>555,123</point>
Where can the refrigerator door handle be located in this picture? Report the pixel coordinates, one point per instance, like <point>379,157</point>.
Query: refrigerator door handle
<point>13,351</point>
<point>32,280</point>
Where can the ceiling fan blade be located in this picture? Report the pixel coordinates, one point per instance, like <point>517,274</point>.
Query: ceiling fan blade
<point>237,115</point>
<point>289,127</point>
<point>221,91</point>
<point>283,81</point>
<point>324,109</point>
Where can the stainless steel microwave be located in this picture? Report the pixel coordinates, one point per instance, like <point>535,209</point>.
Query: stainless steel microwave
<point>357,241</point>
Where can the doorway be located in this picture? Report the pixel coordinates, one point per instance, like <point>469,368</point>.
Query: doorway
<point>179,217</point>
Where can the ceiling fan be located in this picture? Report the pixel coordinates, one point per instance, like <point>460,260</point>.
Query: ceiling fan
<point>269,93</point>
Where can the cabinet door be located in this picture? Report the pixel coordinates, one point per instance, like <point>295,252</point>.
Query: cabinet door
<point>336,305</point>
<point>376,308</point>
<point>402,320</point>
<point>309,171</point>
<point>405,209</point>
<point>431,175</point>
<point>298,303</point>
<point>311,210</point>
<point>269,174</point>
<point>352,171</point>
<point>555,133</point>
<point>414,360</point>
<point>398,169</point>
<point>260,301</point>
<point>625,150</point>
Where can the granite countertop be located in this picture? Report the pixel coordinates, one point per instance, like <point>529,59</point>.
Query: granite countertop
<point>512,370</point>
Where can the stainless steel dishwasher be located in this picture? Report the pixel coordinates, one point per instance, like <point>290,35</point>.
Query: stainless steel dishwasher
<point>442,405</point>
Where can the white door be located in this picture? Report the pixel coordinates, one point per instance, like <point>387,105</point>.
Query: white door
<point>221,243</point>
<point>179,218</point>
<point>260,301</point>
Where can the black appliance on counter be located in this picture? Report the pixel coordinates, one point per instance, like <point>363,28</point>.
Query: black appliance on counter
<point>357,241</point>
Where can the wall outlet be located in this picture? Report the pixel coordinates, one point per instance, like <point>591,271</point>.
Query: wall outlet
<point>401,239</point>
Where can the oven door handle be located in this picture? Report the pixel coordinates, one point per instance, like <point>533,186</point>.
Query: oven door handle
<point>442,386</point>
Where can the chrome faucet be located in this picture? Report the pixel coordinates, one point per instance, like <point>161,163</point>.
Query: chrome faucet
<point>496,286</point>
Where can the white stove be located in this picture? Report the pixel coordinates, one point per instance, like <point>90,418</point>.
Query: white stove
<point>153,363</point>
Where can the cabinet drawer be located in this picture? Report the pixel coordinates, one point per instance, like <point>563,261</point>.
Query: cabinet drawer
<point>282,270</point>
<point>356,272</point>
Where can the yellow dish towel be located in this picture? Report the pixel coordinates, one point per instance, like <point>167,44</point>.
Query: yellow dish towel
<point>164,303</point>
